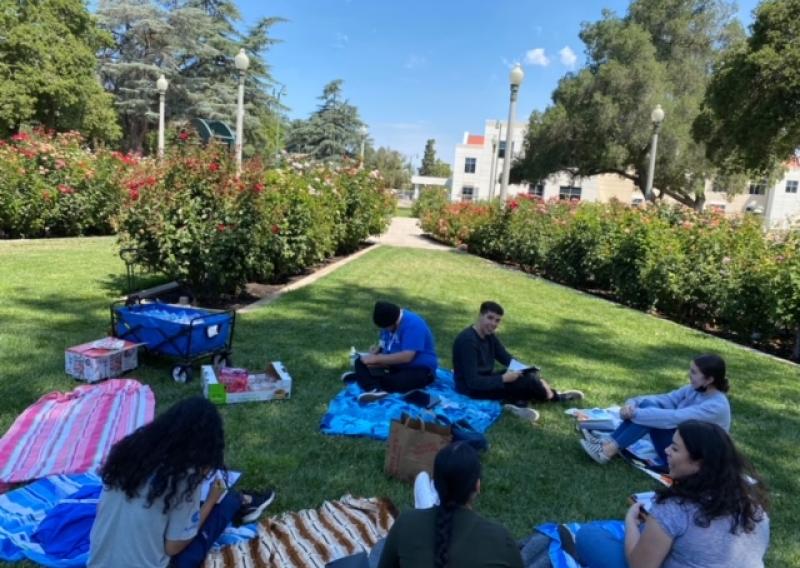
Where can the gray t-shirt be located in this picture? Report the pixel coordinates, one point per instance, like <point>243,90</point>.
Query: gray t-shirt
<point>709,547</point>
<point>128,533</point>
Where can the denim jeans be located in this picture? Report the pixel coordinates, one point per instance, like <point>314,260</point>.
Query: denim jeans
<point>628,432</point>
<point>599,548</point>
<point>219,518</point>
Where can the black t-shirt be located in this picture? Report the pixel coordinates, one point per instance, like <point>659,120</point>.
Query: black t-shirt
<point>473,362</point>
<point>475,542</point>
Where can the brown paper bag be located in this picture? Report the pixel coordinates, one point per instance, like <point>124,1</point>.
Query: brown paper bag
<point>413,445</point>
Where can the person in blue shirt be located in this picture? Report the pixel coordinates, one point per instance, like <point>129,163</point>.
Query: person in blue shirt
<point>404,359</point>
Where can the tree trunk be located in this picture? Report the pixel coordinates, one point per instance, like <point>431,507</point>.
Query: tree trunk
<point>796,350</point>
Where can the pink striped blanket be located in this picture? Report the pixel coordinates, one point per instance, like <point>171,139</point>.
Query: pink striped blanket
<point>73,432</point>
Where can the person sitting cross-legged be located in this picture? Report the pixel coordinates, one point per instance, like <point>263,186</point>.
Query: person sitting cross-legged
<point>150,513</point>
<point>659,414</point>
<point>404,360</point>
<point>475,351</point>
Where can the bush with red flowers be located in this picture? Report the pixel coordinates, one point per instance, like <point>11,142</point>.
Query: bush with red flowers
<point>52,185</point>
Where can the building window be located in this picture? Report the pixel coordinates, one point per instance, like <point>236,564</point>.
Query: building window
<point>759,188</point>
<point>536,189</point>
<point>467,193</point>
<point>469,165</point>
<point>569,192</point>
<point>501,149</point>
<point>791,186</point>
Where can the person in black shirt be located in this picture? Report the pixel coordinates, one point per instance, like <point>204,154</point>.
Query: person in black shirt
<point>474,352</point>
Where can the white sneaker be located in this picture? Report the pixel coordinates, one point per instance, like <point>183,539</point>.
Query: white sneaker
<point>594,437</point>
<point>523,412</point>
<point>348,377</point>
<point>595,451</point>
<point>372,396</point>
<point>425,495</point>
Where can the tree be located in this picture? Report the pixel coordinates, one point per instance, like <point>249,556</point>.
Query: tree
<point>431,166</point>
<point>48,69</point>
<point>333,131</point>
<point>751,114</point>
<point>193,43</point>
<point>659,53</point>
<point>392,165</point>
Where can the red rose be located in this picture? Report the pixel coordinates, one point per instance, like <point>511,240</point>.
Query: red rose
<point>20,137</point>
<point>133,194</point>
<point>65,189</point>
<point>276,230</point>
<point>184,136</point>
<point>258,188</point>
<point>214,167</point>
<point>221,227</point>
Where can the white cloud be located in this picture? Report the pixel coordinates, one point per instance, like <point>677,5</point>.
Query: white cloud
<point>537,57</point>
<point>568,57</point>
<point>415,62</point>
<point>507,63</point>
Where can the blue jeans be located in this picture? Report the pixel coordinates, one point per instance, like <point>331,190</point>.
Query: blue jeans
<point>599,548</point>
<point>219,518</point>
<point>627,433</point>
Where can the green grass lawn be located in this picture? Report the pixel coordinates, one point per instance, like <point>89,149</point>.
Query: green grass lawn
<point>55,293</point>
<point>403,212</point>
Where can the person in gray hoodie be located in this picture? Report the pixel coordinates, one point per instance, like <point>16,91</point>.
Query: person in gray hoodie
<point>658,415</point>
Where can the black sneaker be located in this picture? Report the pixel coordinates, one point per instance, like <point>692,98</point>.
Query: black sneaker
<point>569,395</point>
<point>372,396</point>
<point>250,512</point>
<point>348,377</point>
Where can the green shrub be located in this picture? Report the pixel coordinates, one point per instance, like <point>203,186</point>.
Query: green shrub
<point>431,198</point>
<point>51,185</point>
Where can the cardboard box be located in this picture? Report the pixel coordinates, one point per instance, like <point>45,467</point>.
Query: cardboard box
<point>101,359</point>
<point>275,383</point>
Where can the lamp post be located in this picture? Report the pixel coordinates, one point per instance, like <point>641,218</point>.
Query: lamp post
<point>515,80</point>
<point>364,132</point>
<point>493,168</point>
<point>242,62</point>
<point>161,86</point>
<point>657,117</point>
<point>277,94</point>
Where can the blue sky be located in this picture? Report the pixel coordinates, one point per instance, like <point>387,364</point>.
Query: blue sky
<point>427,69</point>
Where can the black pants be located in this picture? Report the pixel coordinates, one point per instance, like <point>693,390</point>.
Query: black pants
<point>528,387</point>
<point>392,379</point>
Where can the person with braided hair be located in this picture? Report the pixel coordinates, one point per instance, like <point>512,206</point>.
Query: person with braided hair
<point>451,534</point>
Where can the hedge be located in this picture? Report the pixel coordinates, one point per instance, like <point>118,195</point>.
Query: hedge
<point>721,274</point>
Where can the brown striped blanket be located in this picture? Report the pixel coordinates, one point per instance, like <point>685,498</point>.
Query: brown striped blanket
<point>313,537</point>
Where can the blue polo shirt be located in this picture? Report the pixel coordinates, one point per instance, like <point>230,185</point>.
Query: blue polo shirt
<point>413,334</point>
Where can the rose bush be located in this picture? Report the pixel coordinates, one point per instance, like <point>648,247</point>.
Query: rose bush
<point>52,185</point>
<point>703,269</point>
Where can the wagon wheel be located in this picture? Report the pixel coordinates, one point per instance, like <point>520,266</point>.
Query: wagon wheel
<point>222,360</point>
<point>182,373</point>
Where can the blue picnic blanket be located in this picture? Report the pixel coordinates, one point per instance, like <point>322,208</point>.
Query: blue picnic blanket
<point>346,417</point>
<point>558,558</point>
<point>49,521</point>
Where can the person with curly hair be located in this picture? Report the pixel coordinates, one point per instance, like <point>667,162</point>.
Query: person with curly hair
<point>150,512</point>
<point>657,415</point>
<point>713,516</point>
<point>450,534</point>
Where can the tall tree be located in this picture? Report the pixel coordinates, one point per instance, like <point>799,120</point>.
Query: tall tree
<point>751,117</point>
<point>431,165</point>
<point>333,131</point>
<point>661,52</point>
<point>193,43</point>
<point>392,165</point>
<point>48,70</point>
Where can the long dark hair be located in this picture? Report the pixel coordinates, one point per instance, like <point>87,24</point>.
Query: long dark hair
<point>175,451</point>
<point>725,485</point>
<point>713,366</point>
<point>456,471</point>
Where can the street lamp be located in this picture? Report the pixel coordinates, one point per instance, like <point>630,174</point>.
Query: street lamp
<point>515,80</point>
<point>242,62</point>
<point>656,117</point>
<point>161,86</point>
<point>277,94</point>
<point>364,132</point>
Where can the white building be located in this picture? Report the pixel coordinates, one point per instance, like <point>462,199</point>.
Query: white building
<point>479,160</point>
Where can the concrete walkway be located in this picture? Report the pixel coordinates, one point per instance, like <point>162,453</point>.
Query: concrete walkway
<point>404,232</point>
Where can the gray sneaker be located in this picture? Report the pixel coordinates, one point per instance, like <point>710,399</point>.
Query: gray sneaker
<point>595,451</point>
<point>371,396</point>
<point>593,437</point>
<point>570,395</point>
<point>523,412</point>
